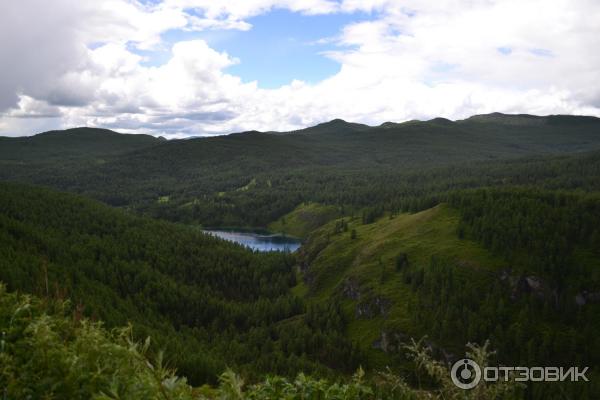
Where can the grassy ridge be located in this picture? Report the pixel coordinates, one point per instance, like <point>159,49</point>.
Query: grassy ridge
<point>409,275</point>
<point>368,262</point>
<point>304,219</point>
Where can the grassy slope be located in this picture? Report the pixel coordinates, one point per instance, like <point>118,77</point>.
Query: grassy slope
<point>304,219</point>
<point>421,235</point>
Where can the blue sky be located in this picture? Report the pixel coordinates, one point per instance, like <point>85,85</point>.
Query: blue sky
<point>281,46</point>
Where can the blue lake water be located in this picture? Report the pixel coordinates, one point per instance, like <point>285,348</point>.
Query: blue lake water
<point>257,241</point>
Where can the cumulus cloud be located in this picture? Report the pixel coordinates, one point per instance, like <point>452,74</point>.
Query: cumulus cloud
<point>68,63</point>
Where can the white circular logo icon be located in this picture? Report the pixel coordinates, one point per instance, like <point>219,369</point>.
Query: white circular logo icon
<point>465,373</point>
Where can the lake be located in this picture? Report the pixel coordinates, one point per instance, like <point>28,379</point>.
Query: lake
<point>258,241</point>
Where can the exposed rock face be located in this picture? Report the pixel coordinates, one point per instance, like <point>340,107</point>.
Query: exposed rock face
<point>522,285</point>
<point>303,265</point>
<point>394,342</point>
<point>309,278</point>
<point>535,284</point>
<point>351,289</point>
<point>519,287</point>
<point>369,305</point>
<point>593,297</point>
<point>372,307</point>
<point>390,342</point>
<point>586,297</point>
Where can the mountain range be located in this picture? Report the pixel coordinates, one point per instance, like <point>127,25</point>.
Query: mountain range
<point>442,232</point>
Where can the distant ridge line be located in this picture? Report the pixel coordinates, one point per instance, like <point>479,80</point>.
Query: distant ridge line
<point>340,124</point>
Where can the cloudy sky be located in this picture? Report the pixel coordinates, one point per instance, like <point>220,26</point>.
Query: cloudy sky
<point>204,67</point>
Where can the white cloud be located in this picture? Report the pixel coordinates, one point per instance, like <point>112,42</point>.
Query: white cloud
<point>242,9</point>
<point>412,59</point>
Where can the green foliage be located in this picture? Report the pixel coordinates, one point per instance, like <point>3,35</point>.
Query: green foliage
<point>207,302</point>
<point>439,374</point>
<point>537,231</point>
<point>391,167</point>
<point>385,385</point>
<point>48,354</point>
<point>304,219</point>
<point>91,144</point>
<point>516,262</point>
<point>456,291</point>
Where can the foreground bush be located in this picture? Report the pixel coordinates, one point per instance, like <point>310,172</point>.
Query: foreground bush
<point>48,353</point>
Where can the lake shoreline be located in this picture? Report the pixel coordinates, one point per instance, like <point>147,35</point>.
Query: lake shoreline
<point>264,242</point>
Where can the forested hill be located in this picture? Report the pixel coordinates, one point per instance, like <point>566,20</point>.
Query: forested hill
<point>367,287</point>
<point>342,144</point>
<point>50,353</point>
<point>207,302</point>
<point>463,231</point>
<point>71,143</point>
<point>518,267</point>
<point>254,178</point>
<point>478,137</point>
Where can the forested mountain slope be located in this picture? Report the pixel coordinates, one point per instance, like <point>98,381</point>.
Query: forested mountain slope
<point>208,302</point>
<point>78,143</point>
<point>518,267</point>
<point>501,242</point>
<point>254,178</point>
<point>367,287</point>
<point>50,351</point>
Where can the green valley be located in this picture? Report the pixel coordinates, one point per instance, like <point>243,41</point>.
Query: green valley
<point>299,200</point>
<point>418,239</point>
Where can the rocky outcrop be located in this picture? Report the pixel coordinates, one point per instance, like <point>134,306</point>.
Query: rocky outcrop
<point>351,289</point>
<point>523,285</point>
<point>390,342</point>
<point>369,304</point>
<point>394,342</point>
<point>309,278</point>
<point>585,297</point>
<point>373,307</point>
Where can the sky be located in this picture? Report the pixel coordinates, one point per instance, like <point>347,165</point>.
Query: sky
<point>180,68</point>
